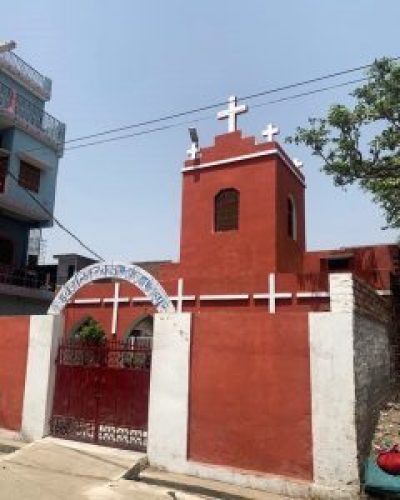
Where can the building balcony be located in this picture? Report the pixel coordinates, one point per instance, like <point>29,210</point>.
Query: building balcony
<point>27,76</point>
<point>25,282</point>
<point>16,110</point>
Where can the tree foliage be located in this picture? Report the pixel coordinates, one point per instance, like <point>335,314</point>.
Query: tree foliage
<point>362,144</point>
<point>90,332</point>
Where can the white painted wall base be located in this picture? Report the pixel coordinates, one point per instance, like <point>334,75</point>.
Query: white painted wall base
<point>333,399</point>
<point>44,336</point>
<point>169,390</point>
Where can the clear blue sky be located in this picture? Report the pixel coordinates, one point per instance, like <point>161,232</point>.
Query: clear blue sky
<point>120,62</point>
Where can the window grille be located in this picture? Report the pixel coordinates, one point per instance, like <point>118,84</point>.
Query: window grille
<point>6,251</point>
<point>29,176</point>
<point>291,220</point>
<point>3,172</point>
<point>226,210</point>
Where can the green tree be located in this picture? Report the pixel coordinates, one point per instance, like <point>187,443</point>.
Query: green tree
<point>90,332</point>
<point>361,145</point>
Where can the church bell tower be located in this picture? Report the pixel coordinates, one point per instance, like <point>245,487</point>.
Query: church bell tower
<point>242,205</point>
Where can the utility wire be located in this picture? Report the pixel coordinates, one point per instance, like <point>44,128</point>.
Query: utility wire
<point>212,106</point>
<point>223,103</point>
<point>208,117</point>
<point>59,224</point>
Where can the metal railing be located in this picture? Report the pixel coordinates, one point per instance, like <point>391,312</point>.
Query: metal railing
<point>32,118</point>
<point>26,278</point>
<point>28,76</point>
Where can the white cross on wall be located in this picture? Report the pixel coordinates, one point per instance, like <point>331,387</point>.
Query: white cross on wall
<point>180,297</point>
<point>115,301</point>
<point>232,112</point>
<point>269,132</point>
<point>272,294</point>
<point>193,150</point>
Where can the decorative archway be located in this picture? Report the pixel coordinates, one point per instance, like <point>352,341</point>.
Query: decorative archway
<point>135,275</point>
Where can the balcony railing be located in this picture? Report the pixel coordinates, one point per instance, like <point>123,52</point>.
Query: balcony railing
<point>32,118</point>
<point>26,278</point>
<point>25,74</point>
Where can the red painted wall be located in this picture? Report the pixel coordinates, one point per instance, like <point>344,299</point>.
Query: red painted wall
<point>250,404</point>
<point>264,184</point>
<point>289,252</point>
<point>14,338</point>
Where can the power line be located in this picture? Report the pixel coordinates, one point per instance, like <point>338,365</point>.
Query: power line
<point>59,224</point>
<point>222,103</point>
<point>212,106</point>
<point>208,117</point>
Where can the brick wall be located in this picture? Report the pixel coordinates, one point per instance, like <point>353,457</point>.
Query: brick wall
<point>371,374</point>
<point>367,302</point>
<point>371,326</point>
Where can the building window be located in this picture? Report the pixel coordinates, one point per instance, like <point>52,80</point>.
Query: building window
<point>3,172</point>
<point>291,218</point>
<point>70,271</point>
<point>29,176</point>
<point>226,210</point>
<point>339,263</point>
<point>6,251</point>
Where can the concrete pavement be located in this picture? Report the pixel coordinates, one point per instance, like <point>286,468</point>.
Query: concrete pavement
<point>55,469</point>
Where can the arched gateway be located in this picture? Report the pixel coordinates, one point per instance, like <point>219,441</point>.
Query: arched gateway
<point>127,272</point>
<point>102,389</point>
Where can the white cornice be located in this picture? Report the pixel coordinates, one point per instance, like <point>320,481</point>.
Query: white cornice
<point>249,156</point>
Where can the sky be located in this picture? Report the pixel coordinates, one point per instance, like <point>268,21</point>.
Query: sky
<point>126,61</point>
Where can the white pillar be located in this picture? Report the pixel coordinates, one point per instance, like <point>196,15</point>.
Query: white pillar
<point>169,390</point>
<point>331,337</point>
<point>44,336</point>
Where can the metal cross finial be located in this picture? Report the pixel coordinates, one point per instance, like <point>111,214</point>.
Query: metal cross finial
<point>232,112</point>
<point>269,132</point>
<point>298,163</point>
<point>193,150</point>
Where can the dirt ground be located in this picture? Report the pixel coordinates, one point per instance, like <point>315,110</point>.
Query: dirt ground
<point>387,432</point>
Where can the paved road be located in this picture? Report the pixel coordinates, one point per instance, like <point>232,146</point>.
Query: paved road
<point>55,469</point>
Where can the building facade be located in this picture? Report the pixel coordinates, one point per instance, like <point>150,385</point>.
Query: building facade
<point>251,360</point>
<point>31,144</point>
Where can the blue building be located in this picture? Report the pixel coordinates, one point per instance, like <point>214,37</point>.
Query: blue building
<point>31,144</point>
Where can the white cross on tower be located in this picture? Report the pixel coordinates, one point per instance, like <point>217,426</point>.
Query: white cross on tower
<point>232,112</point>
<point>297,163</point>
<point>193,150</point>
<point>269,132</point>
<point>115,301</point>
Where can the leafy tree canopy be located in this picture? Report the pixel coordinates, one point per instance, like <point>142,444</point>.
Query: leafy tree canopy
<point>362,144</point>
<point>90,332</point>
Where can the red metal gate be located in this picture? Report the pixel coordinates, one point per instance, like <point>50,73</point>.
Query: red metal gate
<point>102,393</point>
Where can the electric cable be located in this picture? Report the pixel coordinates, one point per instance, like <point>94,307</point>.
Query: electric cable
<point>59,223</point>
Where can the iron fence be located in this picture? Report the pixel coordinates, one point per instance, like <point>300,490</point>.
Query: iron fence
<point>23,277</point>
<point>10,62</point>
<point>45,126</point>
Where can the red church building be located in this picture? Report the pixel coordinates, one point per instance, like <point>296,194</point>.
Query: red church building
<point>279,378</point>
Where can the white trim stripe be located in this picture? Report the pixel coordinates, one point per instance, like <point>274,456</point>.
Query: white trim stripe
<point>86,301</point>
<point>259,154</point>
<point>309,295</point>
<point>242,296</point>
<point>184,297</point>
<point>384,292</point>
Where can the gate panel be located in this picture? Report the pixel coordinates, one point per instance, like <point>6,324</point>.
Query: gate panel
<point>102,393</point>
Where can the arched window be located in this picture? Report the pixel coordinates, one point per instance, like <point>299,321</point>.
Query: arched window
<point>140,340</point>
<point>6,251</point>
<point>291,218</point>
<point>226,210</point>
<point>141,328</point>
